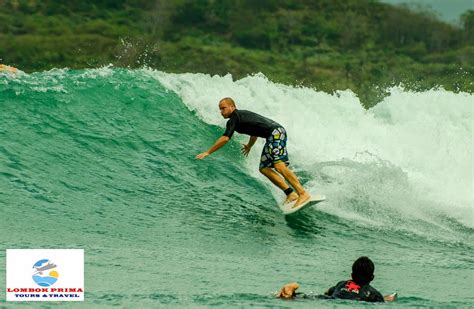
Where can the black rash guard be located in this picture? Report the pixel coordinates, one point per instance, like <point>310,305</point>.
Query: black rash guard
<point>351,290</point>
<point>249,123</point>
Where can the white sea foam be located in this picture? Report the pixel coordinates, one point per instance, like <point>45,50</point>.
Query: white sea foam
<point>411,155</point>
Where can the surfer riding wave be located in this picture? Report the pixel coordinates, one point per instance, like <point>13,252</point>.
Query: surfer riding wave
<point>274,160</point>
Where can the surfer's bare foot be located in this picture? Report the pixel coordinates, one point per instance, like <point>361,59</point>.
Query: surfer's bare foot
<point>291,197</point>
<point>305,196</point>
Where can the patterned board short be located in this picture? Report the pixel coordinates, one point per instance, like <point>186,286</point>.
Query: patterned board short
<point>274,150</point>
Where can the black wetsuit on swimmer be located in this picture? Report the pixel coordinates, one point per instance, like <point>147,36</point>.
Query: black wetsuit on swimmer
<point>250,123</point>
<point>351,290</point>
<point>348,289</point>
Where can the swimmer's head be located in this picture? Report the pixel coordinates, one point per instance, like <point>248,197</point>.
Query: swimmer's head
<point>363,270</point>
<point>226,106</point>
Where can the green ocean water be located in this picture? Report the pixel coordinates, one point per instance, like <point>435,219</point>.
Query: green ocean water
<point>103,159</point>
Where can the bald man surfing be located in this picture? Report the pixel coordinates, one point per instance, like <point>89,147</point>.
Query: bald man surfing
<point>274,160</point>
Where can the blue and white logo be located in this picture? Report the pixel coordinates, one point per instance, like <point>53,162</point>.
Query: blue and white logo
<point>45,273</point>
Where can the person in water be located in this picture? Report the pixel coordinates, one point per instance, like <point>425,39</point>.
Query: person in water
<point>8,69</point>
<point>358,288</point>
<point>274,160</point>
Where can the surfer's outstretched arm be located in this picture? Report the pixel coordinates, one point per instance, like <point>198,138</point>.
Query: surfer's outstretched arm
<point>221,141</point>
<point>252,141</point>
<point>246,147</point>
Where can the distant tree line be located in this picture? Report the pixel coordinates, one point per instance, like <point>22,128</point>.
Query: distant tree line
<point>329,44</point>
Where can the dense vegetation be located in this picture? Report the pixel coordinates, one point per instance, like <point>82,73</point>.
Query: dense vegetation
<point>328,44</point>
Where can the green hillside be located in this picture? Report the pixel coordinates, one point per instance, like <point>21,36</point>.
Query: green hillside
<point>327,44</point>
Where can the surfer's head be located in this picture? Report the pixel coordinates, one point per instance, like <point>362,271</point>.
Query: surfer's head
<point>226,106</point>
<point>363,270</point>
